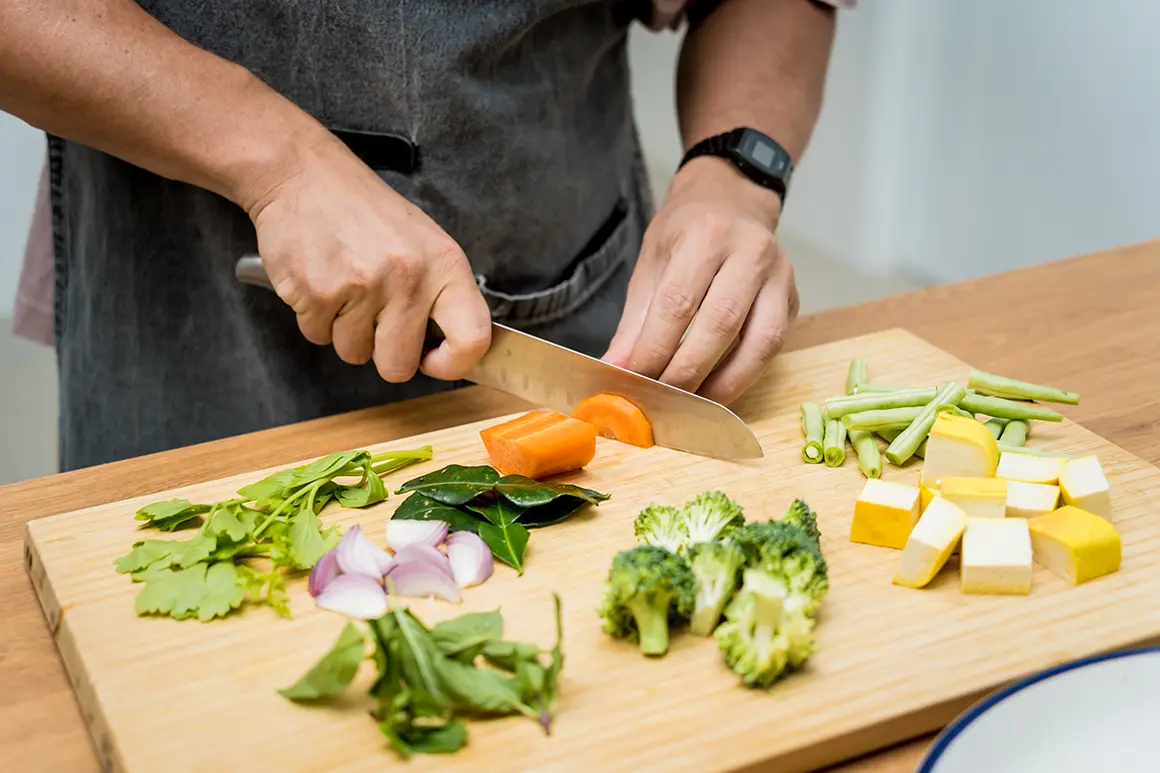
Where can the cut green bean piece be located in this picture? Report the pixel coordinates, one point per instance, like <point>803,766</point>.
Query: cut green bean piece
<point>814,429</point>
<point>1015,433</point>
<point>869,458</point>
<point>1001,386</point>
<point>1007,409</point>
<point>834,445</point>
<point>878,388</point>
<point>920,452</point>
<point>904,446</point>
<point>995,428</point>
<point>1031,451</point>
<point>888,434</point>
<point>954,410</point>
<point>837,407</point>
<point>890,418</point>
<point>856,376</point>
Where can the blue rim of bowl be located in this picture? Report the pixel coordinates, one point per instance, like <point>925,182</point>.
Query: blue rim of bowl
<point>955,728</point>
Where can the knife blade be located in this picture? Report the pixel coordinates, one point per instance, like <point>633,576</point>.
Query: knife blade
<point>558,378</point>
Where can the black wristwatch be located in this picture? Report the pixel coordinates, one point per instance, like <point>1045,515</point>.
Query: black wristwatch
<point>755,154</point>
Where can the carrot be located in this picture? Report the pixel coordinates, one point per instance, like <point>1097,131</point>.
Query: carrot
<point>539,444</point>
<point>617,418</point>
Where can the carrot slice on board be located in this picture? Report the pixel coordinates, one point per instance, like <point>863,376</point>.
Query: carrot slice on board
<point>539,444</point>
<point>616,417</point>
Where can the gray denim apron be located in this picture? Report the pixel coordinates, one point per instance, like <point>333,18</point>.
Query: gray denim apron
<point>508,121</point>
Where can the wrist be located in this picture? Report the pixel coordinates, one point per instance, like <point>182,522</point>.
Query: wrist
<point>716,177</point>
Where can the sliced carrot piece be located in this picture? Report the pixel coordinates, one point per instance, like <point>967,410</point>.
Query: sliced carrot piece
<point>616,417</point>
<point>539,444</point>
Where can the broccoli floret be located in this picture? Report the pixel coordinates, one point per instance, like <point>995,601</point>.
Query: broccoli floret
<point>789,552</point>
<point>764,634</point>
<point>716,567</point>
<point>648,589</point>
<point>662,526</point>
<point>710,516</point>
<point>799,513</point>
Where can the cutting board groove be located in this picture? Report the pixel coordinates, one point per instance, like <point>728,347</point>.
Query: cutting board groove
<point>893,663</point>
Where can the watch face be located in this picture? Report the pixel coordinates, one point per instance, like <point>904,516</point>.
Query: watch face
<point>764,155</point>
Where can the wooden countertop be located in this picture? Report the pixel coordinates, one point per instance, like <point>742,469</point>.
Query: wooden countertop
<point>1089,323</point>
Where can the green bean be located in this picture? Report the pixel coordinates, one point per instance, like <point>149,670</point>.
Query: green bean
<point>889,434</point>
<point>878,388</point>
<point>856,376</point>
<point>995,427</point>
<point>1015,433</point>
<point>903,398</point>
<point>1007,409</point>
<point>814,429</point>
<point>834,444</point>
<point>1000,386</point>
<point>904,446</point>
<point>872,421</point>
<point>869,458</point>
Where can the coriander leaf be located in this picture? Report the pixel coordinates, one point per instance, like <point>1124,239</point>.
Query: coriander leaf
<point>306,541</point>
<point>273,585</point>
<point>171,514</point>
<point>145,554</point>
<point>526,492</point>
<point>498,511</point>
<point>508,543</point>
<point>334,672</point>
<point>272,487</point>
<point>556,511</point>
<point>232,521</point>
<point>195,551</point>
<point>192,592</point>
<point>467,631</point>
<point>419,508</point>
<point>325,468</point>
<point>454,484</point>
<point>369,492</point>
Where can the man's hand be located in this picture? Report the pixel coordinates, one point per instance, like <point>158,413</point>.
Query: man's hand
<point>363,268</point>
<point>709,265</point>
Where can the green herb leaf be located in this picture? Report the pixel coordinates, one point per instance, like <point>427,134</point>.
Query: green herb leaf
<point>305,541</point>
<point>419,508</point>
<point>334,672</point>
<point>327,467</point>
<point>526,492</point>
<point>233,521</point>
<point>409,739</point>
<point>467,631</point>
<point>552,674</point>
<point>195,551</point>
<point>454,484</point>
<point>480,690</point>
<point>147,553</point>
<point>420,658</point>
<point>272,487</point>
<point>497,511</point>
<point>372,490</point>
<point>559,509</point>
<point>509,654</point>
<point>200,591</point>
<point>171,514</point>
<point>508,543</point>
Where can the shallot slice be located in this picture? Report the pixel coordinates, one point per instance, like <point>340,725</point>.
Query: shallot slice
<point>424,554</point>
<point>400,534</point>
<point>358,555</point>
<point>470,558</point>
<point>354,595</point>
<point>324,572</point>
<point>420,579</point>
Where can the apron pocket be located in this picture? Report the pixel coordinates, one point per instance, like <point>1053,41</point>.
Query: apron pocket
<point>614,244</point>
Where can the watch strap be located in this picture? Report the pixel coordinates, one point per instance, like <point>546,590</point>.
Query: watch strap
<point>728,145</point>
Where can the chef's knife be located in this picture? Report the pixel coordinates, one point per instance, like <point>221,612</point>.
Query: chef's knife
<point>558,378</point>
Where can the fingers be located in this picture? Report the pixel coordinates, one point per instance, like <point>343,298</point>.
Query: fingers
<point>675,301</point>
<point>463,315</point>
<point>401,327</point>
<point>354,334</point>
<point>641,286</point>
<point>762,337</point>
<point>716,324</point>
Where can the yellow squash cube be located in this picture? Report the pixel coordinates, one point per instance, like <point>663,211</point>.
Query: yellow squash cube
<point>1029,468</point>
<point>996,556</point>
<point>1075,544</point>
<point>884,514</point>
<point>959,447</point>
<point>1028,500</point>
<point>978,497</point>
<point>931,543</point>
<point>1082,483</point>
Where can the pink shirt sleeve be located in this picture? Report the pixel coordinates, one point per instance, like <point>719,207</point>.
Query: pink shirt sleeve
<point>33,318</point>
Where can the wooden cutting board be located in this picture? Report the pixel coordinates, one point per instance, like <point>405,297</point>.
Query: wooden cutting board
<point>159,694</point>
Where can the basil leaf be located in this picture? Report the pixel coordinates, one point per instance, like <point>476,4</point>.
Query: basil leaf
<point>526,492</point>
<point>171,514</point>
<point>479,690</point>
<point>498,511</point>
<point>409,739</point>
<point>508,543</point>
<point>419,508</point>
<point>330,675</point>
<point>560,509</point>
<point>467,631</point>
<point>509,654</point>
<point>420,658</point>
<point>454,484</point>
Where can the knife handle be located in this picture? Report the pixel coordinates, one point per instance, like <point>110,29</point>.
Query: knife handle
<point>249,270</point>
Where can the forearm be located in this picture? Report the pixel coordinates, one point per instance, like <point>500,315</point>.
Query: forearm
<point>106,74</point>
<point>756,63</point>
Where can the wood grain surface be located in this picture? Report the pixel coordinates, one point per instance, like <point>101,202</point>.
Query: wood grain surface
<point>1089,322</point>
<point>893,662</point>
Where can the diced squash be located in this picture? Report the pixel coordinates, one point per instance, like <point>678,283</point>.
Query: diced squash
<point>1028,500</point>
<point>996,556</point>
<point>540,444</point>
<point>1075,544</point>
<point>617,418</point>
<point>1029,468</point>
<point>978,497</point>
<point>1082,483</point>
<point>884,514</point>
<point>959,447</point>
<point>931,543</point>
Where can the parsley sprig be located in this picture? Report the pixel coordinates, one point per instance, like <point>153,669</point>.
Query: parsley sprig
<point>275,520</point>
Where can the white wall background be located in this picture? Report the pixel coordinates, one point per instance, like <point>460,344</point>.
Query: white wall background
<point>959,137</point>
